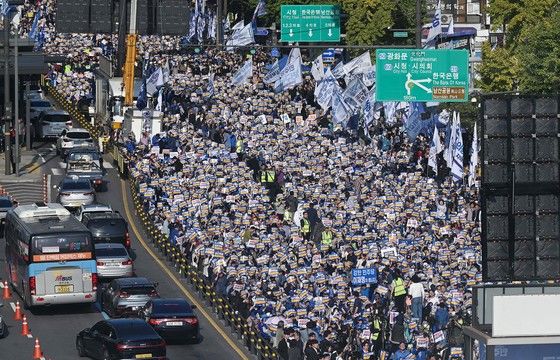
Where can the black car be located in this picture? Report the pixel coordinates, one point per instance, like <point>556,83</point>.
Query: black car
<point>120,339</point>
<point>173,319</point>
<point>126,296</point>
<point>107,228</point>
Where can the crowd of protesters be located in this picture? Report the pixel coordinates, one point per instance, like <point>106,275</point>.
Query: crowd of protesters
<point>276,206</point>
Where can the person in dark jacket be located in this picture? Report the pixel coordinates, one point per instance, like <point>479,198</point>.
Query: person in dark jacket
<point>312,350</point>
<point>295,347</point>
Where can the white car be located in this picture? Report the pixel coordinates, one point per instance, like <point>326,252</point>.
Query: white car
<point>37,105</point>
<point>113,261</point>
<point>93,209</point>
<point>74,192</point>
<point>72,138</point>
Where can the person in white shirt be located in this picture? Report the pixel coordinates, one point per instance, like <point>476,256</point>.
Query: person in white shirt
<point>416,290</point>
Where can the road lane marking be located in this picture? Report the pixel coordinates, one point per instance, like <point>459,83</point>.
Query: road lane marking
<point>1,284</point>
<point>13,306</point>
<point>173,277</point>
<point>29,336</point>
<point>56,171</point>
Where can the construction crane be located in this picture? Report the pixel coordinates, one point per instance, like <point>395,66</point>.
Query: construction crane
<point>129,65</point>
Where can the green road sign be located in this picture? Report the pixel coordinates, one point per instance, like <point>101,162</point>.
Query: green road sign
<point>400,34</point>
<point>422,75</point>
<point>310,23</point>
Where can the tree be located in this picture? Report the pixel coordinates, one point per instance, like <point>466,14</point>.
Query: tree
<point>499,69</point>
<point>367,21</point>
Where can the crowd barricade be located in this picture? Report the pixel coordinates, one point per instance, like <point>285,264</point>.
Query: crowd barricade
<point>247,333</point>
<point>70,108</point>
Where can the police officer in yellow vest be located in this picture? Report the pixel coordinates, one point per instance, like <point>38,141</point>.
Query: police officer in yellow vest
<point>239,148</point>
<point>268,176</point>
<point>398,291</point>
<point>375,333</point>
<point>327,237</point>
<point>305,226</point>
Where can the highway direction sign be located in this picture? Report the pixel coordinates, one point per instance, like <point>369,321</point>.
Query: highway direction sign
<point>422,75</point>
<point>310,23</point>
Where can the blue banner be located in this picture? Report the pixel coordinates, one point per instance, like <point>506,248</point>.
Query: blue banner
<point>364,276</point>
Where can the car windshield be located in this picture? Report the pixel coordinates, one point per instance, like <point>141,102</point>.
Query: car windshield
<point>171,308</point>
<point>40,104</point>
<point>57,118</point>
<point>110,252</point>
<point>78,135</point>
<point>76,185</point>
<point>135,330</point>
<point>138,290</point>
<point>4,203</point>
<point>108,226</point>
<point>83,156</point>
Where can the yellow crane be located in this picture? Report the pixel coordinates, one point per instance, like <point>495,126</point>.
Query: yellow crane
<point>129,65</point>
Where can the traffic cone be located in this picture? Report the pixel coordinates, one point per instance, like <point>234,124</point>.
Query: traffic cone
<point>37,352</point>
<point>6,292</point>
<point>24,327</point>
<point>17,314</point>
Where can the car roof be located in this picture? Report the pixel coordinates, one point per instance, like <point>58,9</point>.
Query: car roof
<point>54,112</point>
<point>109,246</point>
<point>5,197</point>
<point>170,300</point>
<point>133,281</point>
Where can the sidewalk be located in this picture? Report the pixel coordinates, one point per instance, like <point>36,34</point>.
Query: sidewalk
<point>28,187</point>
<point>29,166</point>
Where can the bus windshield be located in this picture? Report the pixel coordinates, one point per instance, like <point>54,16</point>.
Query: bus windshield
<point>61,247</point>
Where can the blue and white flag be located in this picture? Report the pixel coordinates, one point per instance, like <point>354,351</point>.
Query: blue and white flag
<point>435,148</point>
<point>450,140</point>
<point>474,158</point>
<point>435,29</point>
<point>368,76</point>
<point>317,68</point>
<point>340,110</point>
<point>242,37</point>
<point>457,167</point>
<point>451,27</point>
<point>192,26</point>
<point>260,10</point>
<point>200,26</point>
<point>390,108</point>
<point>210,87</point>
<point>159,104</point>
<point>290,75</point>
<point>355,94</point>
<point>338,70</point>
<point>357,64</point>
<point>212,26</point>
<point>369,108</point>
<point>324,90</point>
<point>243,74</point>
<point>34,32</point>
<point>240,25</point>
<point>154,81</point>
<point>273,74</point>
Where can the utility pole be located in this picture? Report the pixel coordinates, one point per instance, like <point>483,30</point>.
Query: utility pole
<point>418,24</point>
<point>122,37</point>
<point>7,107</point>
<point>220,23</point>
<point>16,101</point>
<point>27,118</point>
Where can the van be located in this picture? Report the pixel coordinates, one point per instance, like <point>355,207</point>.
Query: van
<point>51,123</point>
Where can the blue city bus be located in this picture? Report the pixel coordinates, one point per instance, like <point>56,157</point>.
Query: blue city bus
<point>50,256</point>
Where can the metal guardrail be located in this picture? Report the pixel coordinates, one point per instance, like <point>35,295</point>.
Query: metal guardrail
<point>71,109</point>
<point>247,334</point>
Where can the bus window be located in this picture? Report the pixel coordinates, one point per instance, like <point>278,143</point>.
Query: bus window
<point>61,247</point>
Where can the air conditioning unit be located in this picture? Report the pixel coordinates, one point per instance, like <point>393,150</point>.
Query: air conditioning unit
<point>446,18</point>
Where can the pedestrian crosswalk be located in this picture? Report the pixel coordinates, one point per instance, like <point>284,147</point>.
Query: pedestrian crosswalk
<point>60,169</point>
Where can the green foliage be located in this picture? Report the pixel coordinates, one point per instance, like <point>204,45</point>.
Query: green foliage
<point>367,21</point>
<point>499,70</point>
<point>530,62</point>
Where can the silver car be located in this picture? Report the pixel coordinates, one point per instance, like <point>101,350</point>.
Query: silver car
<point>74,192</point>
<point>113,261</point>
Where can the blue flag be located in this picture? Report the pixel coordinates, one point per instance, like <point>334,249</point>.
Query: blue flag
<point>34,32</point>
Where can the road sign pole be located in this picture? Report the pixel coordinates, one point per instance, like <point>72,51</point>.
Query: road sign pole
<point>27,118</point>
<point>16,101</point>
<point>7,117</point>
<point>418,24</point>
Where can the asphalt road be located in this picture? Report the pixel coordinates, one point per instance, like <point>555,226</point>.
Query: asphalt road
<point>56,327</point>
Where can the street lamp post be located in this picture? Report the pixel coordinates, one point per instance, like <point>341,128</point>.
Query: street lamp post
<point>16,100</point>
